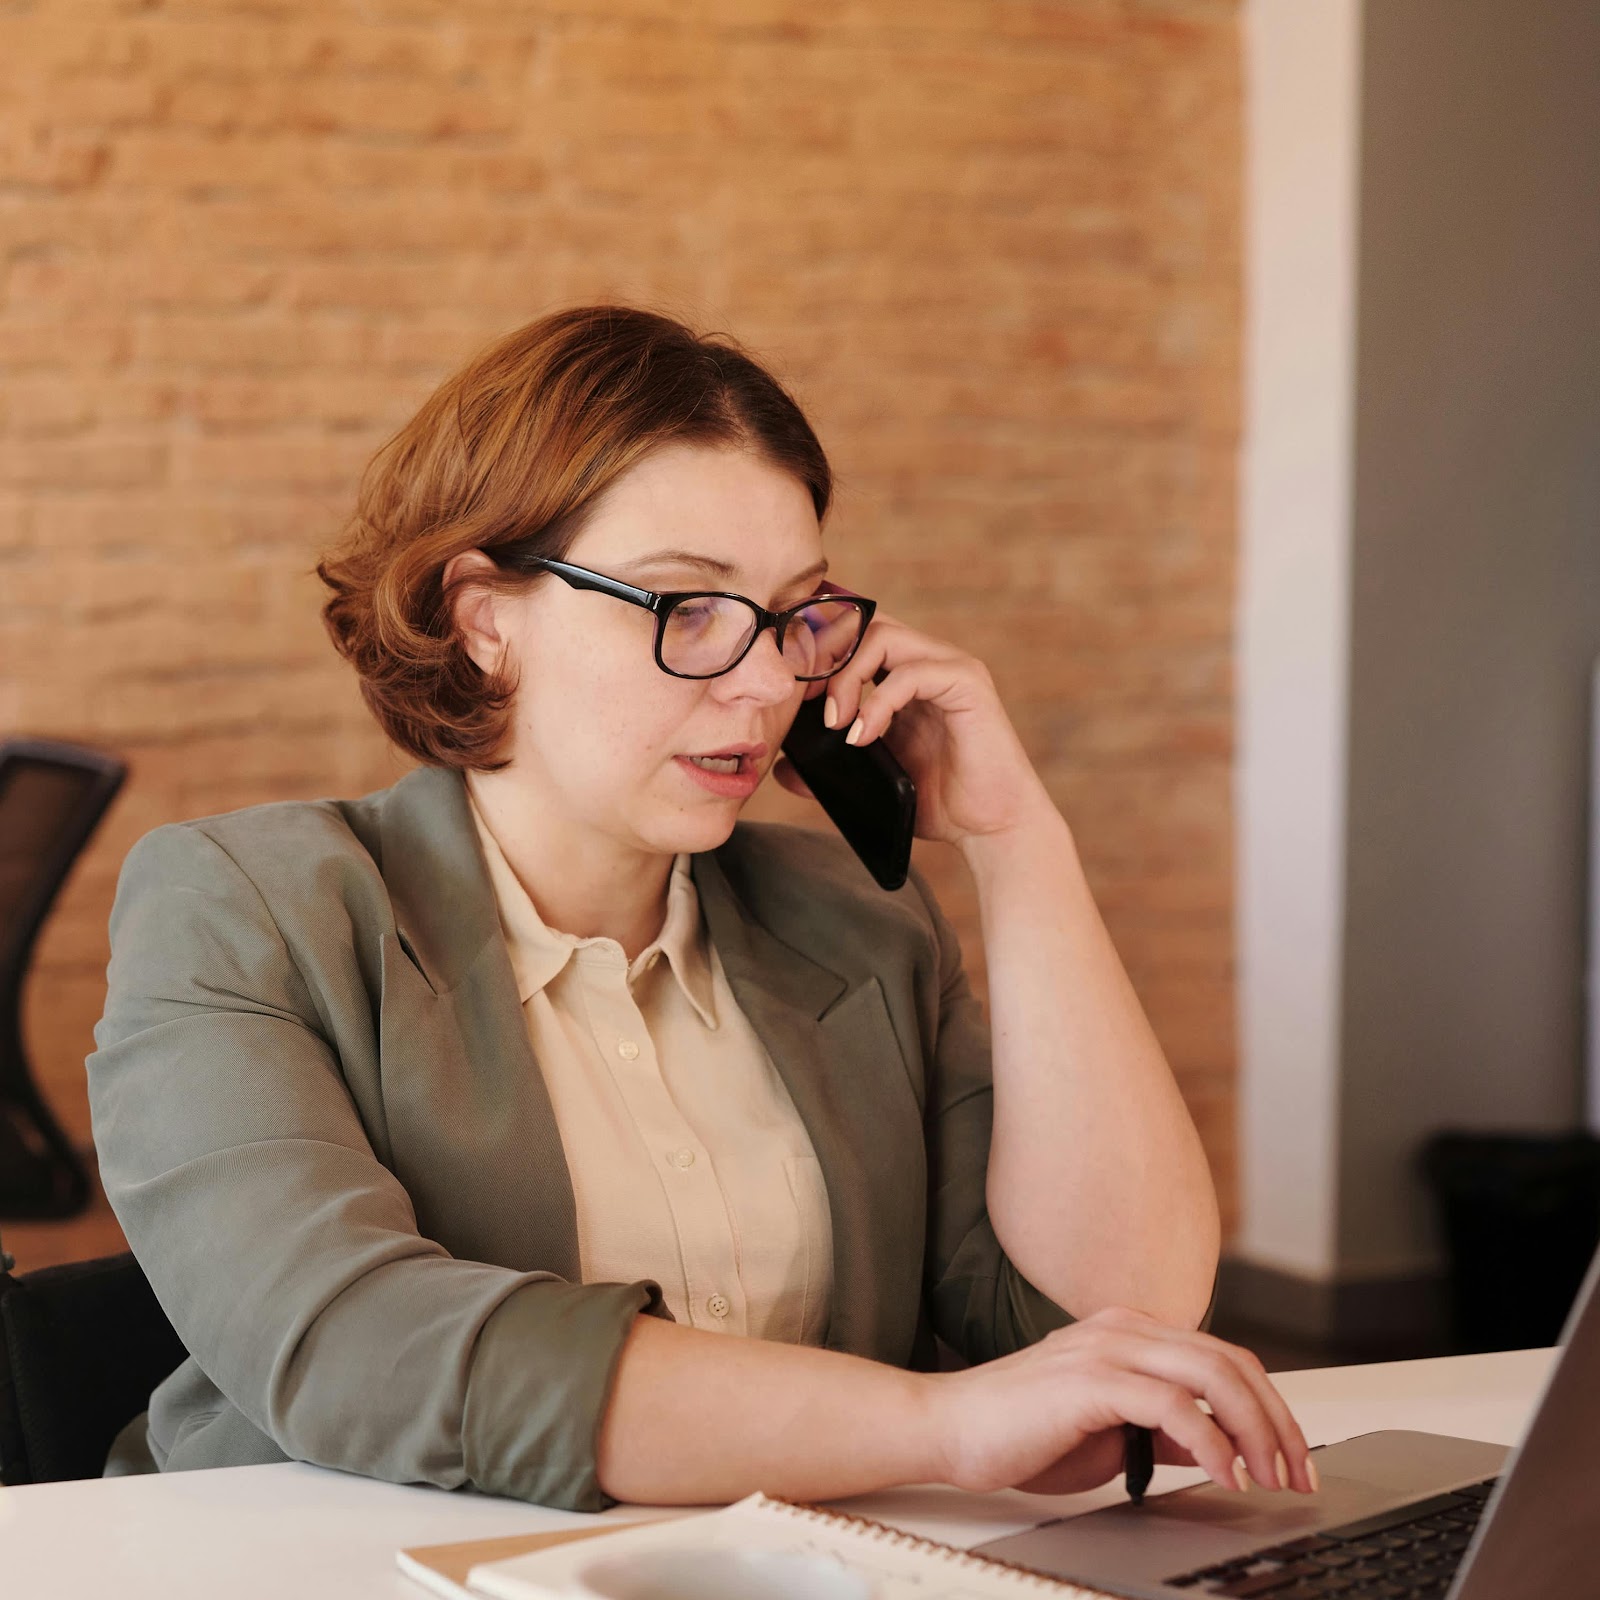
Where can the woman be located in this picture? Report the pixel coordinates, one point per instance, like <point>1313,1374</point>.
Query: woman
<point>457,1126</point>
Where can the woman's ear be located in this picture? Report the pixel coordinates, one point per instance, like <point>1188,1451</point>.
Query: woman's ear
<point>473,609</point>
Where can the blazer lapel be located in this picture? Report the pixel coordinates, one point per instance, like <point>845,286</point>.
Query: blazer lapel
<point>833,1044</point>
<point>471,1125</point>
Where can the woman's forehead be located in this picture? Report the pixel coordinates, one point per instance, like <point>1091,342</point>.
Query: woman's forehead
<point>717,513</point>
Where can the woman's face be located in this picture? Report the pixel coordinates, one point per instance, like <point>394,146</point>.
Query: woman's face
<point>598,730</point>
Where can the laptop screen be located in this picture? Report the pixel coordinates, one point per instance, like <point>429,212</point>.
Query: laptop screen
<point>1537,1540</point>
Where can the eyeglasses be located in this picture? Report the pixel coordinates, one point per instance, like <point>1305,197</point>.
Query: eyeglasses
<point>702,634</point>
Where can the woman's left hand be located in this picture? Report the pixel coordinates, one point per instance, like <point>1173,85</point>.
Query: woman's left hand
<point>938,712</point>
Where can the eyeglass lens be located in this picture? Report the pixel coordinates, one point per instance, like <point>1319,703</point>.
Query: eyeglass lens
<point>707,634</point>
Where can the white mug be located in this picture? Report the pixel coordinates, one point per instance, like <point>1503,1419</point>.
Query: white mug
<point>712,1574</point>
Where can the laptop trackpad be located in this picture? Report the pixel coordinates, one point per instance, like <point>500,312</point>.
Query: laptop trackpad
<point>1204,1525</point>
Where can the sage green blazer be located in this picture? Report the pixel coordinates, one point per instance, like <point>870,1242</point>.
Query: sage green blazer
<point>322,1128</point>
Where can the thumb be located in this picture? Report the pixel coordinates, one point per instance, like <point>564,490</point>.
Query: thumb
<point>783,769</point>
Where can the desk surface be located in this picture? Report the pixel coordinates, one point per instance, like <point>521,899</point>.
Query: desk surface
<point>248,1533</point>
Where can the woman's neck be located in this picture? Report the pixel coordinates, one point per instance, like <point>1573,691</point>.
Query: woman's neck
<point>580,882</point>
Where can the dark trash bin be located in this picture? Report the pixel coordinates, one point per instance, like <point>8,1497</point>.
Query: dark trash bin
<point>1520,1215</point>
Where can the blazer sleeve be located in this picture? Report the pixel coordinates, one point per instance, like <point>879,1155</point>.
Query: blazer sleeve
<point>286,1255</point>
<point>977,1300</point>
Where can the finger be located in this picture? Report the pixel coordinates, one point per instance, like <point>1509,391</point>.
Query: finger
<point>847,685</point>
<point>886,646</point>
<point>1291,1440</point>
<point>1154,1403</point>
<point>1235,1405</point>
<point>933,681</point>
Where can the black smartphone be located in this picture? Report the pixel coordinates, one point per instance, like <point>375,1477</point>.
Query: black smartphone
<point>866,793</point>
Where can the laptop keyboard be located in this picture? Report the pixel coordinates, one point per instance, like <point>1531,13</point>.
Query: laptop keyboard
<point>1408,1554</point>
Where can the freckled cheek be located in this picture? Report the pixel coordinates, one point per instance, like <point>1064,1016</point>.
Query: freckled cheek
<point>616,724</point>
<point>573,674</point>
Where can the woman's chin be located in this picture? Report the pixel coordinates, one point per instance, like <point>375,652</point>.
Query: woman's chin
<point>706,836</point>
<point>702,829</point>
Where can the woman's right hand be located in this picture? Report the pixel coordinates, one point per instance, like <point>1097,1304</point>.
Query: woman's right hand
<point>1049,1418</point>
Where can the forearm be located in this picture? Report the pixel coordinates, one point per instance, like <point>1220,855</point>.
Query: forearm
<point>699,1418</point>
<point>1098,1187</point>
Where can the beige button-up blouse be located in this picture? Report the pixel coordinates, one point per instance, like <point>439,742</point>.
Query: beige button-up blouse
<point>689,1162</point>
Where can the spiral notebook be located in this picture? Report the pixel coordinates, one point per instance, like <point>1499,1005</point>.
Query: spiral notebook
<point>904,1566</point>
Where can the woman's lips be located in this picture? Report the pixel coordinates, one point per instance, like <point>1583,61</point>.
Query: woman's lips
<point>738,785</point>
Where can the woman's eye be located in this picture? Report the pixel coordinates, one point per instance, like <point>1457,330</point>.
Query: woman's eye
<point>693,613</point>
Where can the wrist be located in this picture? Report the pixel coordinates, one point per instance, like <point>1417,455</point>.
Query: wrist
<point>1040,831</point>
<point>927,1401</point>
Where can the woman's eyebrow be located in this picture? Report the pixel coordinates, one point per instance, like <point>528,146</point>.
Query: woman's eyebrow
<point>725,570</point>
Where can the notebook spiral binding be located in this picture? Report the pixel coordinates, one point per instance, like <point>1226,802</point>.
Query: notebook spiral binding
<point>1025,1577</point>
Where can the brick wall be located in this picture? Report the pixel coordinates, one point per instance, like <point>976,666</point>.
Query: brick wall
<point>993,245</point>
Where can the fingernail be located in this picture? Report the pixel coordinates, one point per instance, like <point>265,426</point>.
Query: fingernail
<point>1283,1472</point>
<point>1314,1475</point>
<point>830,713</point>
<point>854,734</point>
<point>1240,1475</point>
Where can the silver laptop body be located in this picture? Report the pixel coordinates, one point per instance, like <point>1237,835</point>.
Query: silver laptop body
<point>1538,1537</point>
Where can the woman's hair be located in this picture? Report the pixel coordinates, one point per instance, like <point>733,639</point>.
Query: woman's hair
<point>515,450</point>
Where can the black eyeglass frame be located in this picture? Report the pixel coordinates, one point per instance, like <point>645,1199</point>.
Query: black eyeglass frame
<point>661,605</point>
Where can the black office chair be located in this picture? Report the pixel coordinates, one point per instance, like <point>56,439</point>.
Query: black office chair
<point>52,797</point>
<point>81,1348</point>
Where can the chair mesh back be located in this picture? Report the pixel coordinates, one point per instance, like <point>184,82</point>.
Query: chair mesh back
<point>47,809</point>
<point>82,1347</point>
<point>52,796</point>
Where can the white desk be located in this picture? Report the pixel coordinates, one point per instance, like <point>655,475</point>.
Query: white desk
<point>293,1532</point>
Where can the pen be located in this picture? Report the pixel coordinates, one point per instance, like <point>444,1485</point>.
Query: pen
<point>1138,1459</point>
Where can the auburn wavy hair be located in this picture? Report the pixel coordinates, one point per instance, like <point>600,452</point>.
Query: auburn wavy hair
<point>516,450</point>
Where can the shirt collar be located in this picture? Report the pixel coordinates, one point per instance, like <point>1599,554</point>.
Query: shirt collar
<point>538,953</point>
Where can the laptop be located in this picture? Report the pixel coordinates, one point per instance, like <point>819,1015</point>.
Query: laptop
<point>1400,1514</point>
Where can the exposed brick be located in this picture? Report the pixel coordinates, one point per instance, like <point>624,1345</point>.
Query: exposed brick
<point>16,524</point>
<point>47,343</point>
<point>994,246</point>
<point>113,462</point>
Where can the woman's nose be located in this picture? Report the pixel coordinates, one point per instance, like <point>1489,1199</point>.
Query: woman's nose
<point>764,672</point>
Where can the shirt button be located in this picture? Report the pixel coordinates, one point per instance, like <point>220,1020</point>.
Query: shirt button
<point>683,1157</point>
<point>628,1050</point>
<point>717,1305</point>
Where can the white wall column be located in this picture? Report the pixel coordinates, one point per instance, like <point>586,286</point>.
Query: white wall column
<point>1303,122</point>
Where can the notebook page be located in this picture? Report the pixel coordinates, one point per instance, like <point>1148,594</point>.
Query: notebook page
<point>903,1566</point>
